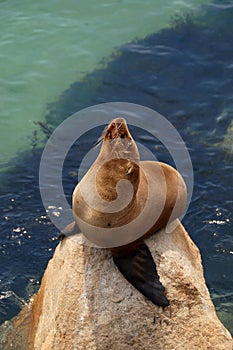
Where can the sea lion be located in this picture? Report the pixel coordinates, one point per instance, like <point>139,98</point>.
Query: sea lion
<point>122,200</point>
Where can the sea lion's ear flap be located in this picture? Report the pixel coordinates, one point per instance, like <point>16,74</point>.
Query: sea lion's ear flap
<point>139,269</point>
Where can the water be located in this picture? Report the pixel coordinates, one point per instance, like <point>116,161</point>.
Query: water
<point>45,45</point>
<point>184,71</point>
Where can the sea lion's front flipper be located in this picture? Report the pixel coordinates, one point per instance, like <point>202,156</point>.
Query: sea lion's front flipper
<point>69,230</point>
<point>138,267</point>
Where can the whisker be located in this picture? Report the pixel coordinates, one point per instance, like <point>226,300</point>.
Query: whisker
<point>100,139</point>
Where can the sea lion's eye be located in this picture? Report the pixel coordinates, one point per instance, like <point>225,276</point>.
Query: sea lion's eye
<point>129,170</point>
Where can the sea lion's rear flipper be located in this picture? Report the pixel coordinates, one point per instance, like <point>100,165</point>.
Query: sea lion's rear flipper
<point>139,268</point>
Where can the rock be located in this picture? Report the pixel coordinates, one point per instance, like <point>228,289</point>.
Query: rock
<point>85,303</point>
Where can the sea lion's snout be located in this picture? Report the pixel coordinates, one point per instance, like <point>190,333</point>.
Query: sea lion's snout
<point>118,142</point>
<point>117,129</point>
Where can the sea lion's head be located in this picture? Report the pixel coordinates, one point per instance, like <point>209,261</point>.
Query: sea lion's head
<point>118,159</point>
<point>117,142</point>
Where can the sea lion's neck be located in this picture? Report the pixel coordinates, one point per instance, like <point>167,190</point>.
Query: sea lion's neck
<point>116,174</point>
<point>118,160</point>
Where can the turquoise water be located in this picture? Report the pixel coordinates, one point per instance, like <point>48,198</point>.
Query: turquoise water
<point>47,45</point>
<point>58,58</point>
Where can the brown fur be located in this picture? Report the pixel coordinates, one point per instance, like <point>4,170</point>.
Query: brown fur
<point>158,191</point>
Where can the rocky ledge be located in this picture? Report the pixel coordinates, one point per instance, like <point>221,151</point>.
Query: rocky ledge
<point>85,303</point>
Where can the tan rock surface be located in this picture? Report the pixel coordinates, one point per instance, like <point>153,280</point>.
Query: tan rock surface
<point>85,303</point>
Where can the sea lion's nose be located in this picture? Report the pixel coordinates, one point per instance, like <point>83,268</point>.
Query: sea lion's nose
<point>118,125</point>
<point>119,121</point>
<point>119,128</point>
<point>116,128</point>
